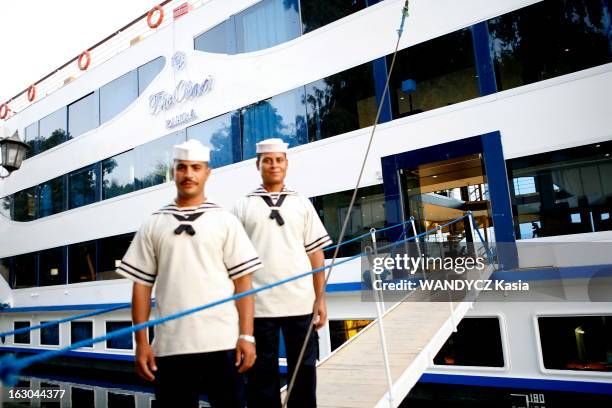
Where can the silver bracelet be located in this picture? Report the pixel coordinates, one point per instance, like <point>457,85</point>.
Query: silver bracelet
<point>247,337</point>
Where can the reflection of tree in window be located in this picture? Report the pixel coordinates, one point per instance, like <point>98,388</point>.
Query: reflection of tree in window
<point>82,187</point>
<point>433,74</point>
<point>57,136</point>
<point>341,103</point>
<point>316,13</point>
<point>548,39</point>
<point>265,119</point>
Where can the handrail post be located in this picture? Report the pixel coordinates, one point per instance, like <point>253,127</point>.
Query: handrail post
<point>381,329</point>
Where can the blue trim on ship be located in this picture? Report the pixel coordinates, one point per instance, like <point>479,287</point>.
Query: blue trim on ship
<point>528,383</point>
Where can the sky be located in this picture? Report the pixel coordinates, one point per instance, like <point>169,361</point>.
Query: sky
<point>38,36</point>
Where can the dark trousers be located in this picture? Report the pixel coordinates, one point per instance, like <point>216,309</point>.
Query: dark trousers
<point>263,386</point>
<point>179,380</point>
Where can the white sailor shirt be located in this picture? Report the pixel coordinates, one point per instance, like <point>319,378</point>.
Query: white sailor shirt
<point>191,255</point>
<point>283,245</point>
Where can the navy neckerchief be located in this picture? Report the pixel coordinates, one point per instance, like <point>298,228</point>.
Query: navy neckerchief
<point>186,217</point>
<point>266,196</point>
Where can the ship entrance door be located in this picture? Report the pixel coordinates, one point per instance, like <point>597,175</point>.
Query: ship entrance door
<point>440,183</point>
<point>438,192</point>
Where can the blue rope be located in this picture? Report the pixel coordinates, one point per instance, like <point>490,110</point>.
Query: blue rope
<point>10,367</point>
<point>127,305</point>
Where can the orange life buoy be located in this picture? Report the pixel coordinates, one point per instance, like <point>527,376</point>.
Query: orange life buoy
<point>84,60</point>
<point>150,15</point>
<point>4,111</point>
<point>32,92</point>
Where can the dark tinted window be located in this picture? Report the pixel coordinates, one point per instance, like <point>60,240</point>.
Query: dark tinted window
<point>433,74</point>
<point>341,103</point>
<point>120,401</point>
<point>31,138</point>
<point>24,271</point>
<point>568,191</point>
<point>148,72</point>
<point>117,95</point>
<point>49,335</point>
<point>80,331</point>
<point>5,206</point>
<point>340,331</point>
<point>53,129</point>
<point>52,271</point>
<point>5,268</point>
<point>24,205</point>
<point>82,262</point>
<point>477,342</point>
<point>51,197</point>
<point>82,398</point>
<point>368,212</point>
<point>282,116</point>
<point>217,134</point>
<point>118,175</point>
<point>548,39</point>
<point>316,13</point>
<point>83,115</point>
<point>81,187</point>
<point>122,342</point>
<point>111,251</point>
<point>576,342</point>
<point>21,338</point>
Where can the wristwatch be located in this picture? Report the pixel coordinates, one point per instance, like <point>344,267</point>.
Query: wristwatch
<point>248,338</point>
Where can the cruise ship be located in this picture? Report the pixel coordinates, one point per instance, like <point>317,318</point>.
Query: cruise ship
<point>496,110</point>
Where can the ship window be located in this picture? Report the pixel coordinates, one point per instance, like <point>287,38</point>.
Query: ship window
<point>549,39</point>
<point>148,72</point>
<point>341,103</point>
<point>477,342</point>
<point>576,342</point>
<point>216,39</point>
<point>24,205</point>
<point>266,24</point>
<point>368,212</point>
<point>111,251</point>
<point>81,397</point>
<point>82,262</point>
<point>118,175</point>
<point>5,264</point>
<point>340,331</point>
<point>51,197</point>
<point>82,187</point>
<point>217,134</point>
<point>115,400</point>
<point>433,74</point>
<point>83,115</point>
<point>154,160</point>
<point>117,95</point>
<point>569,191</point>
<point>24,271</point>
<point>282,116</point>
<point>31,138</point>
<point>21,338</point>
<point>52,267</point>
<point>49,336</point>
<point>80,331</point>
<point>5,206</point>
<point>53,129</point>
<point>316,13</point>
<point>263,25</point>
<point>122,342</point>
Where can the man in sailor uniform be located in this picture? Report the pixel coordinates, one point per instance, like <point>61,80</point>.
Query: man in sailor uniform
<point>194,253</point>
<point>289,237</point>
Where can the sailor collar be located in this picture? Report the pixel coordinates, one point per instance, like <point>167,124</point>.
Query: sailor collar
<point>187,215</point>
<point>261,191</point>
<point>274,207</point>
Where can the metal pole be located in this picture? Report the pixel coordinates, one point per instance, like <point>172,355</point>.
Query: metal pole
<point>381,329</point>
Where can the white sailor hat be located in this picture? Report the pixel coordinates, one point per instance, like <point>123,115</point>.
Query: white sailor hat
<point>272,146</point>
<point>192,150</point>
